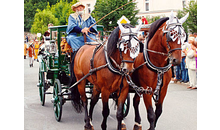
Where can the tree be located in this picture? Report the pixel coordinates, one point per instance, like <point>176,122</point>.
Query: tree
<point>30,7</point>
<point>41,21</point>
<point>57,14</point>
<point>103,7</point>
<point>29,13</point>
<point>62,10</point>
<point>191,22</point>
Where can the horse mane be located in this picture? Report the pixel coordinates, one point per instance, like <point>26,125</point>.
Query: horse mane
<point>154,27</point>
<point>113,39</point>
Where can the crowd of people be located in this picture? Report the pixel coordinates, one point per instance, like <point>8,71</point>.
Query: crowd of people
<point>187,70</point>
<point>31,47</point>
<point>31,50</point>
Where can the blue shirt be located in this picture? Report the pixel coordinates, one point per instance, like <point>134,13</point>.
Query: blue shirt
<point>75,24</point>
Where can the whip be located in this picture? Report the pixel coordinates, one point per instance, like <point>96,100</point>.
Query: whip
<point>111,13</point>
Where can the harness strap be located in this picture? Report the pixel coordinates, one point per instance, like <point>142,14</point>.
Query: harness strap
<point>156,94</point>
<point>90,73</point>
<point>94,52</point>
<point>110,67</point>
<point>121,86</point>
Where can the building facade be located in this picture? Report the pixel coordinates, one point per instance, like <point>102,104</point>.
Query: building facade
<point>89,5</point>
<point>148,7</point>
<point>160,7</point>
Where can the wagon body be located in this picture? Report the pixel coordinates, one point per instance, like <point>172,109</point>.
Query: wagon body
<point>54,70</point>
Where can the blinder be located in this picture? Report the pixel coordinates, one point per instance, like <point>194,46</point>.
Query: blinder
<point>131,35</point>
<point>168,32</point>
<point>127,46</point>
<point>168,37</point>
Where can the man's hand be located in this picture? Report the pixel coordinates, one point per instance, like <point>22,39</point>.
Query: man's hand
<point>85,30</point>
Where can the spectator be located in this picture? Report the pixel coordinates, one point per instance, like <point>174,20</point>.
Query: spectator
<point>144,20</point>
<point>195,36</point>
<point>47,33</point>
<point>195,52</point>
<point>30,54</point>
<point>184,70</point>
<point>178,73</point>
<point>26,37</point>
<point>36,47</point>
<point>173,75</point>
<point>141,38</point>
<point>191,63</point>
<point>25,49</point>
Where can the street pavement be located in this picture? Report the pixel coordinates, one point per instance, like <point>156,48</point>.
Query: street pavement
<point>179,109</point>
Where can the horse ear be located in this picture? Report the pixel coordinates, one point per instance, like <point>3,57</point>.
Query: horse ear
<point>183,19</point>
<point>121,28</point>
<point>139,26</point>
<point>171,17</point>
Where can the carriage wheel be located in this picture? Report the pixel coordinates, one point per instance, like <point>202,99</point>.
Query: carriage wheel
<point>58,100</point>
<point>42,87</point>
<point>126,106</point>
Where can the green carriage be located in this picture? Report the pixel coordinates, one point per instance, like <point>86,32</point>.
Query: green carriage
<point>54,70</point>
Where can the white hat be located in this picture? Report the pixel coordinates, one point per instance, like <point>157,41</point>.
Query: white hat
<point>73,7</point>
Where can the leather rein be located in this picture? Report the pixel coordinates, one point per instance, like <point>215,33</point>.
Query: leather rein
<point>159,70</point>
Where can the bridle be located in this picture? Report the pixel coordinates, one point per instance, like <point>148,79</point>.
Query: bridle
<point>168,31</point>
<point>161,70</point>
<point>128,45</point>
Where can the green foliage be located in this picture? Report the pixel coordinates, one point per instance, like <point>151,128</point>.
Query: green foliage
<point>103,7</point>
<point>41,21</point>
<point>191,22</point>
<point>29,13</point>
<point>30,9</point>
<point>61,9</point>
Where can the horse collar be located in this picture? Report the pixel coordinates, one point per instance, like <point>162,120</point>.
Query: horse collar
<point>150,64</point>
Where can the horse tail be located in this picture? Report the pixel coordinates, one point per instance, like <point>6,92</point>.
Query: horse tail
<point>76,100</point>
<point>75,95</point>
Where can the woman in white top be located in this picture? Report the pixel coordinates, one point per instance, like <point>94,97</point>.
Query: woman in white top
<point>191,63</point>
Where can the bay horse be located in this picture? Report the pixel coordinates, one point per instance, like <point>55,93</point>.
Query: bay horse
<point>162,49</point>
<point>116,58</point>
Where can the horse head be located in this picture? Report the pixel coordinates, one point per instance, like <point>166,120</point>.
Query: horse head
<point>127,46</point>
<point>175,36</point>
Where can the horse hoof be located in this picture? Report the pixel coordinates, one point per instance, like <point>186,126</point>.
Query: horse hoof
<point>137,126</point>
<point>91,128</point>
<point>123,126</point>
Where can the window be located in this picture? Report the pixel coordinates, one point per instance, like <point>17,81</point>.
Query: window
<point>184,4</point>
<point>146,5</point>
<point>89,9</point>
